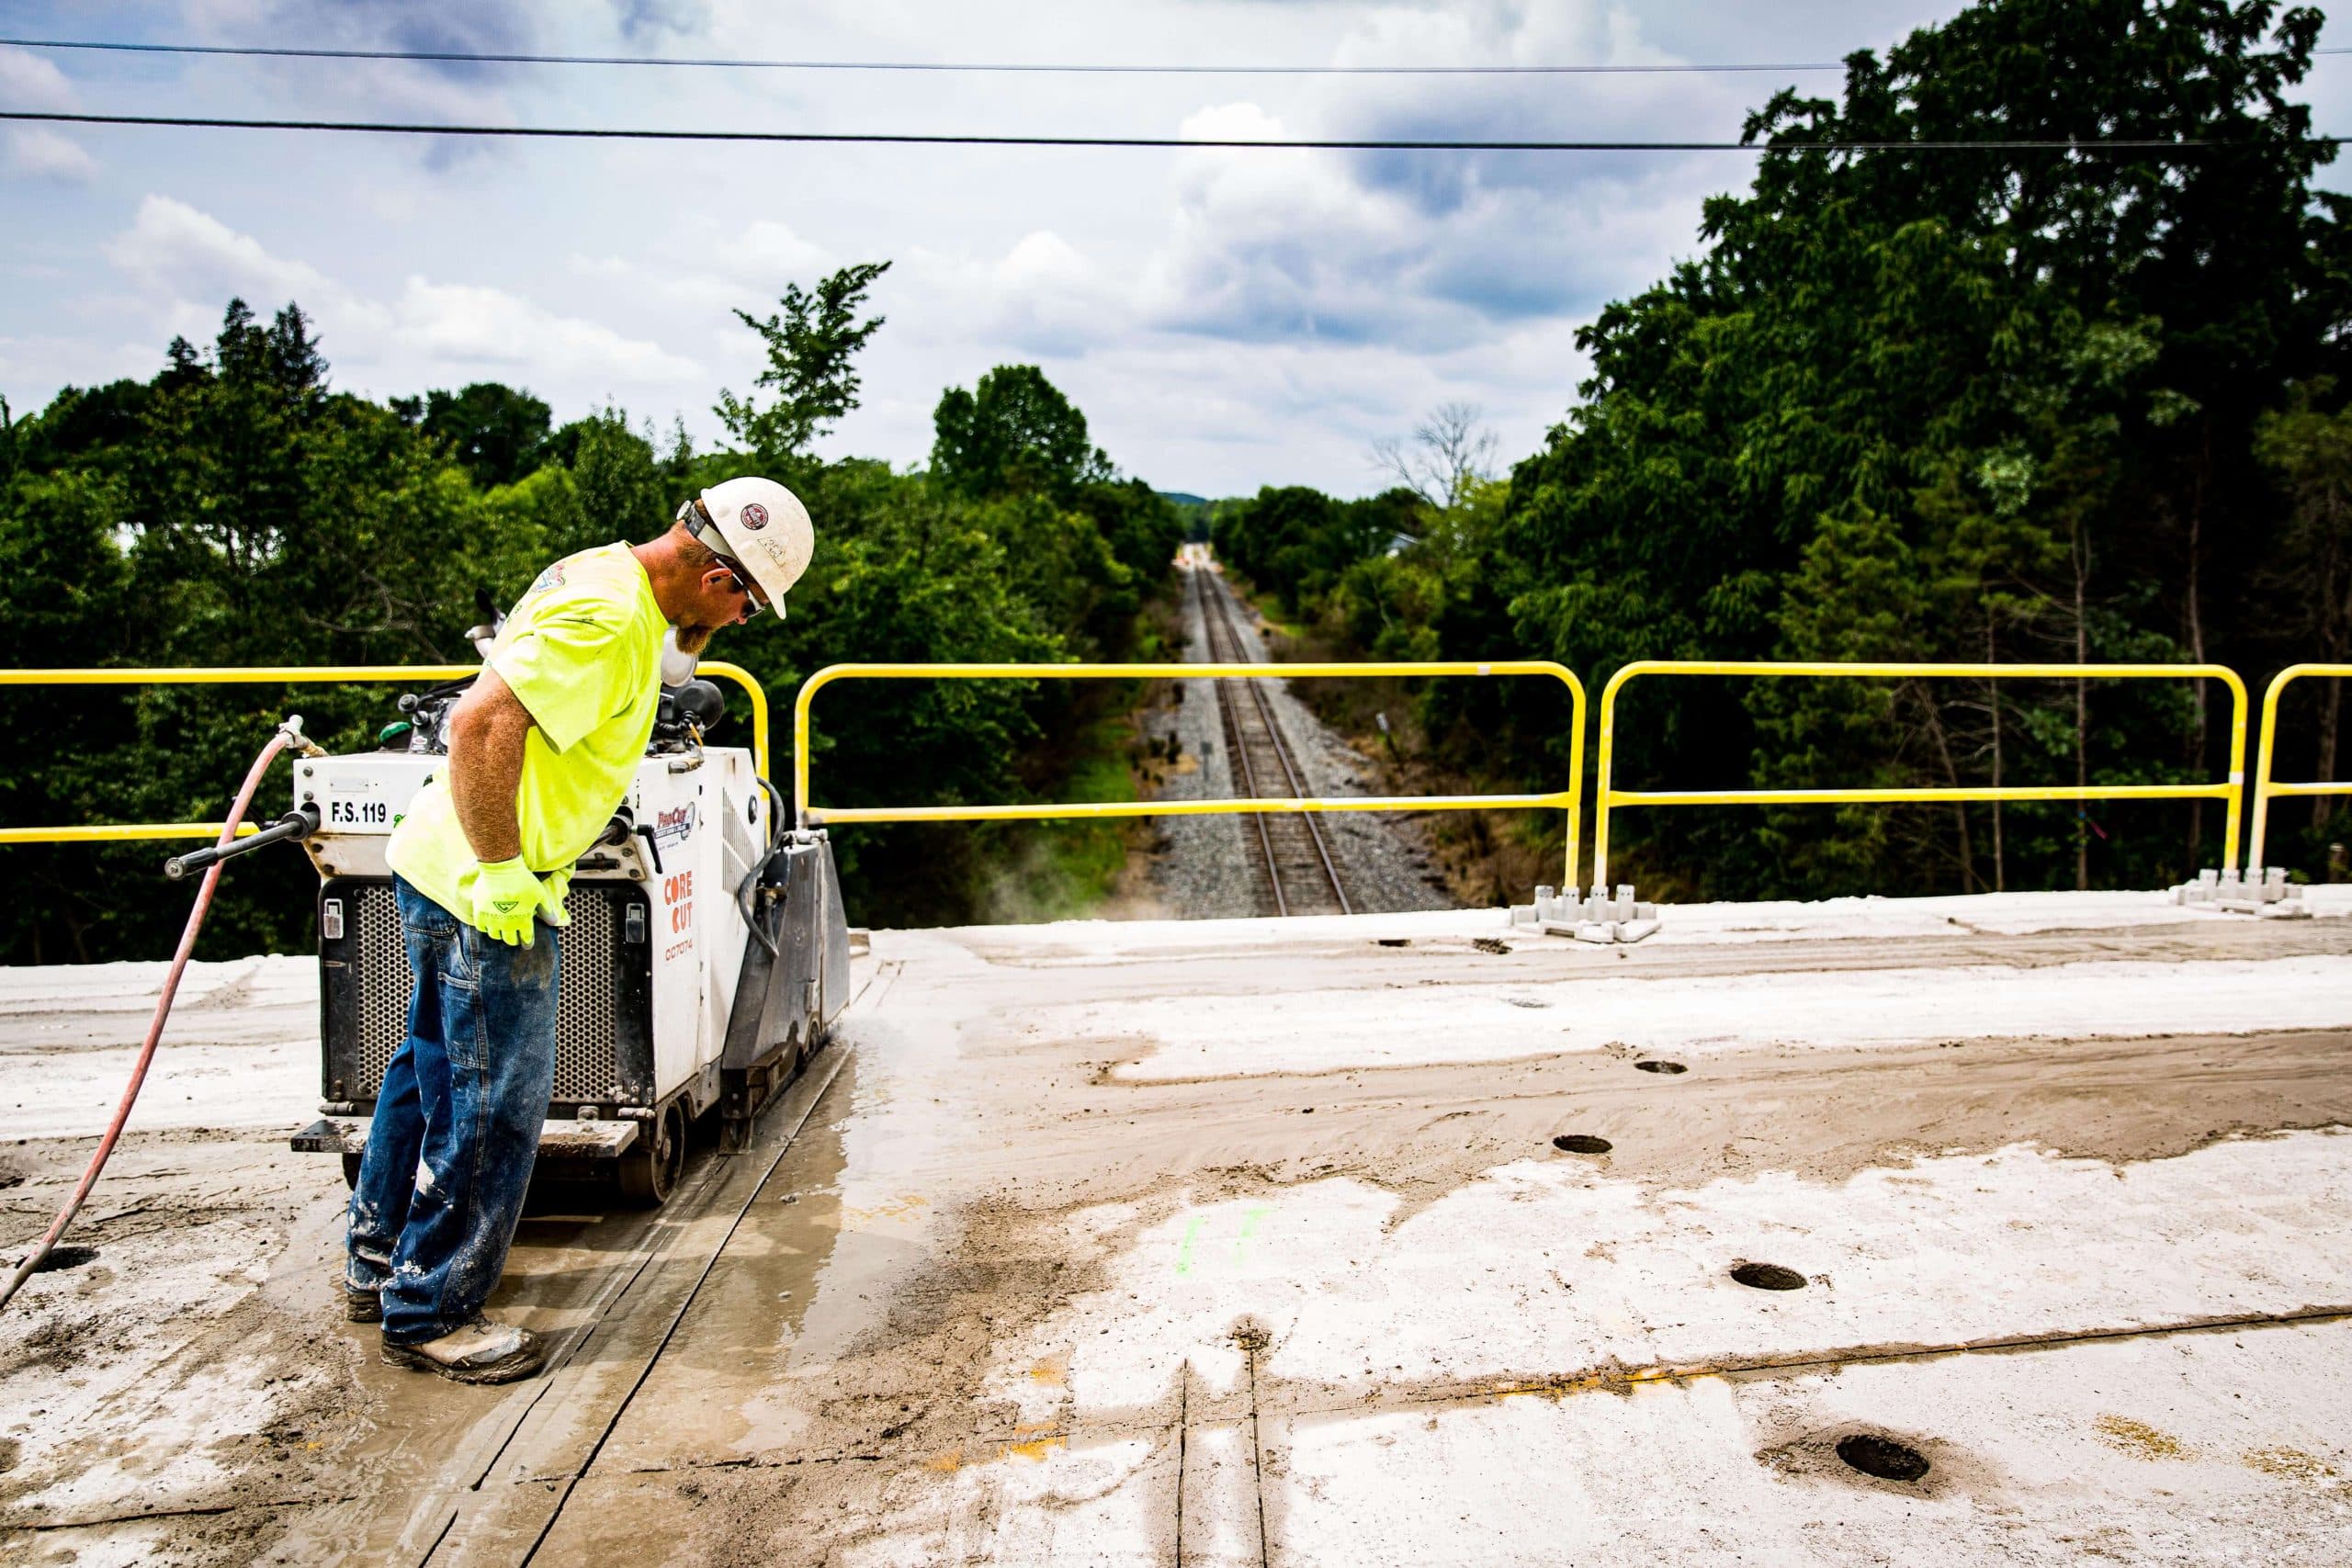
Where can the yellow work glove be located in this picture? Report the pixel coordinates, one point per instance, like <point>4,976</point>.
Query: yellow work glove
<point>506,897</point>
<point>558,884</point>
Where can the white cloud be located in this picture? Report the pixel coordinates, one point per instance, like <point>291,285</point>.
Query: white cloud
<point>769,255</point>
<point>1043,296</point>
<point>37,153</point>
<point>174,248</point>
<point>188,262</point>
<point>712,274</point>
<point>30,81</point>
<point>470,326</point>
<point>428,90</point>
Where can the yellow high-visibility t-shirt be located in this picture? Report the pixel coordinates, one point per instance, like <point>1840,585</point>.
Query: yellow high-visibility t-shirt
<point>583,651</point>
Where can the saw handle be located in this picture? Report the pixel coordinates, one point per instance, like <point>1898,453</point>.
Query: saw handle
<point>295,825</point>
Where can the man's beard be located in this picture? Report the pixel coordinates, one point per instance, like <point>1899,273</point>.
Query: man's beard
<point>693,637</point>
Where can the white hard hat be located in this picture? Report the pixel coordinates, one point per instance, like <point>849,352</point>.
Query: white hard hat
<point>764,527</point>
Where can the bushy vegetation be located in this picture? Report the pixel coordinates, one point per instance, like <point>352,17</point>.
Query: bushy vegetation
<point>235,510</point>
<point>2017,405</point>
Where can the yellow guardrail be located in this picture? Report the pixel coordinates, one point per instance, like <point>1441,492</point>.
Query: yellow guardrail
<point>1606,796</point>
<point>807,814</point>
<point>301,675</point>
<point>2265,788</point>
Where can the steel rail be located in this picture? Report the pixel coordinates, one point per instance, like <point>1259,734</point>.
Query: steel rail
<point>1225,620</point>
<point>1232,727</point>
<point>2266,789</point>
<point>1606,796</point>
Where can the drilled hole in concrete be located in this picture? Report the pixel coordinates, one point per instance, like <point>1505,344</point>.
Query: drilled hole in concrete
<point>1882,1457</point>
<point>1769,1277</point>
<point>73,1255</point>
<point>1581,1144</point>
<point>1657,1066</point>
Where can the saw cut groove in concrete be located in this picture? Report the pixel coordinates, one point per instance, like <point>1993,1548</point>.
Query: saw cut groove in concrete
<point>824,1077</point>
<point>1252,1340</point>
<point>1183,1432</point>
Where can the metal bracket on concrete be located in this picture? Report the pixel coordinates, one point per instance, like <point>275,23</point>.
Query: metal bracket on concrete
<point>1597,918</point>
<point>2268,896</point>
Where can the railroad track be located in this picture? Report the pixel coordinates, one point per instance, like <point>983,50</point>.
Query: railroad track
<point>1298,860</point>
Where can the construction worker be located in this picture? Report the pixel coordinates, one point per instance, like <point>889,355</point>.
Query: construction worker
<point>542,748</point>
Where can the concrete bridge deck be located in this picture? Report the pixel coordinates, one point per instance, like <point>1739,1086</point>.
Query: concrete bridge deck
<point>1248,1242</point>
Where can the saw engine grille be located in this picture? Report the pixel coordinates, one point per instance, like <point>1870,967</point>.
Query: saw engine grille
<point>587,1064</point>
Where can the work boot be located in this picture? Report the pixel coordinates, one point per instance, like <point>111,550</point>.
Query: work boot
<point>483,1351</point>
<point>362,1307</point>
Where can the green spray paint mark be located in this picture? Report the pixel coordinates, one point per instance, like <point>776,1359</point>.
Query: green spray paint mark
<point>1250,1219</point>
<point>1184,1247</point>
<point>1249,1228</point>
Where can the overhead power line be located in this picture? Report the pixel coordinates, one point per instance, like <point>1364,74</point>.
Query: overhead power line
<point>1402,144</point>
<point>454,56</point>
<point>444,56</point>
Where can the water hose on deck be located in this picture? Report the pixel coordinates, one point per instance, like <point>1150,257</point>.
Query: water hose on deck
<point>288,734</point>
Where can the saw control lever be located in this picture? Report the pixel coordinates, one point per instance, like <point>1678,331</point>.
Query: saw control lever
<point>652,846</point>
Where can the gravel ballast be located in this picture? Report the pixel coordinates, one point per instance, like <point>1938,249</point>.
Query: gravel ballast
<point>1207,867</point>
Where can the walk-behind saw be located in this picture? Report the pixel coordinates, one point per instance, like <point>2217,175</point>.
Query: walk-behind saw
<point>707,957</point>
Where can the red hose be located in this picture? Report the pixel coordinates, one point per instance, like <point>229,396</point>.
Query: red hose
<point>32,1259</point>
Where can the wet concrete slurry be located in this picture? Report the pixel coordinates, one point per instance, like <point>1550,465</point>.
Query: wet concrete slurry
<point>1001,1299</point>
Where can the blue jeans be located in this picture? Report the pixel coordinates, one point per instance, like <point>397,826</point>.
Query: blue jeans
<point>458,1122</point>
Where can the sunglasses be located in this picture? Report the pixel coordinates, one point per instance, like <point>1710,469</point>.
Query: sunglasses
<point>697,520</point>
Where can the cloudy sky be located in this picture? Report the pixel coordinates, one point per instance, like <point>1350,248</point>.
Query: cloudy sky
<point>1226,319</point>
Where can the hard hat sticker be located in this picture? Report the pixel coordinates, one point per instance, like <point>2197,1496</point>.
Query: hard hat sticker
<point>753,515</point>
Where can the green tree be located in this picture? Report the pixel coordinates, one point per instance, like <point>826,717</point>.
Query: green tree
<point>1016,434</point>
<point>2022,383</point>
<point>64,597</point>
<point>2308,451</point>
<point>812,344</point>
<point>235,511</point>
<point>495,431</point>
<point>619,486</point>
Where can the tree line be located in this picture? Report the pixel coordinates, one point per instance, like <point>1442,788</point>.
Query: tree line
<point>235,509</point>
<point>2070,404</point>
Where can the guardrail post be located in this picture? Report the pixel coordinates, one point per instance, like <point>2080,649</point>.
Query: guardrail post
<point>1602,797</point>
<point>2234,814</point>
<point>2265,788</point>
